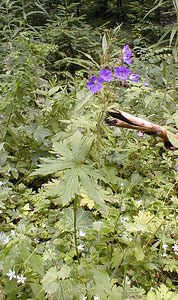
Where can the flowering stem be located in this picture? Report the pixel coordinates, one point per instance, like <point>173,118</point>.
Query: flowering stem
<point>75,228</point>
<point>101,117</point>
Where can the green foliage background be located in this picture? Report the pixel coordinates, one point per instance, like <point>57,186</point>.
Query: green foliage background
<point>87,211</point>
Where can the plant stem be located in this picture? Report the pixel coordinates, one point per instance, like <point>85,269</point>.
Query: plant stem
<point>124,288</point>
<point>75,228</point>
<point>100,121</point>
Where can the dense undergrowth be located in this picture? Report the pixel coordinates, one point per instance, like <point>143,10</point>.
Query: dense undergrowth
<point>87,211</point>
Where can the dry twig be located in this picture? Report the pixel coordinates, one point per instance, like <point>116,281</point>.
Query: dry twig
<point>126,120</point>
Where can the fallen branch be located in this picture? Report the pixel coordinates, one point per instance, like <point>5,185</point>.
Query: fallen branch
<point>126,120</point>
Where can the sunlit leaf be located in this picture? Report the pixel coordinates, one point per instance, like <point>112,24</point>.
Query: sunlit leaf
<point>70,186</point>
<point>86,201</point>
<point>92,190</point>
<point>104,44</point>
<point>63,150</point>
<point>162,293</point>
<point>64,272</point>
<point>53,90</point>
<point>50,281</point>
<point>66,222</point>
<point>138,251</point>
<point>51,166</point>
<point>173,140</point>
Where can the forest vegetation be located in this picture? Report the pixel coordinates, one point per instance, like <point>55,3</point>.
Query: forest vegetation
<point>88,208</point>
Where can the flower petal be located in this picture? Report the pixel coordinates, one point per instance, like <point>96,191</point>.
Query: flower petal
<point>106,75</point>
<point>122,73</point>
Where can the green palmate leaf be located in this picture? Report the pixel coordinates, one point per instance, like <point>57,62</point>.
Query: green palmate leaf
<point>64,272</point>
<point>138,251</point>
<point>80,146</point>
<point>80,149</point>
<point>92,189</point>
<point>50,281</point>
<point>171,266</point>
<point>145,221</point>
<point>65,187</point>
<point>162,293</point>
<point>117,293</point>
<point>36,262</point>
<point>70,186</point>
<point>40,134</point>
<point>76,143</point>
<point>86,201</point>
<point>63,150</point>
<point>103,284</point>
<point>51,166</point>
<point>66,221</point>
<point>86,147</point>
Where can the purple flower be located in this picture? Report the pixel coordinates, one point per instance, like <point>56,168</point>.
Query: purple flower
<point>122,73</point>
<point>134,77</point>
<point>106,75</point>
<point>94,84</point>
<point>126,55</point>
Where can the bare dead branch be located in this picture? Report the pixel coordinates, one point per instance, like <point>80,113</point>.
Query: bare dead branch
<point>126,120</point>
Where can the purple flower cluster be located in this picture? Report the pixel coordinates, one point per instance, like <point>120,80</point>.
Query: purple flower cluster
<point>121,73</point>
<point>95,83</point>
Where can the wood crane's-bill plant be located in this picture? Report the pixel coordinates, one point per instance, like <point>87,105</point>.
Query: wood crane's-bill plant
<point>98,218</point>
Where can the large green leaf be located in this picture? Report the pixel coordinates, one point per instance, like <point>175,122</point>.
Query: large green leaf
<point>36,262</point>
<point>76,143</point>
<point>162,293</point>
<point>103,285</point>
<point>51,166</point>
<point>92,189</point>
<point>70,186</point>
<point>80,146</point>
<point>65,187</point>
<point>62,149</point>
<point>66,220</point>
<point>138,251</point>
<point>50,281</point>
<point>64,272</point>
